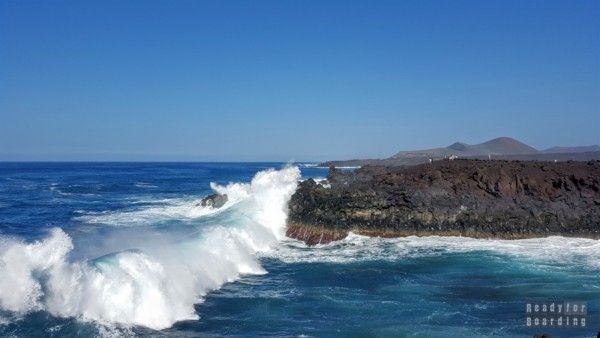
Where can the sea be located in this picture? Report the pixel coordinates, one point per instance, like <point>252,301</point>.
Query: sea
<point>128,250</point>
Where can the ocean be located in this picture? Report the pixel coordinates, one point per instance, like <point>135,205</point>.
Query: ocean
<point>126,249</point>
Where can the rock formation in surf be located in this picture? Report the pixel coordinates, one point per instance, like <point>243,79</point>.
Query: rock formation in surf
<point>214,200</point>
<point>475,198</point>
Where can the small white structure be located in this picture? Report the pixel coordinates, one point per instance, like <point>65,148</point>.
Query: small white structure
<point>452,157</point>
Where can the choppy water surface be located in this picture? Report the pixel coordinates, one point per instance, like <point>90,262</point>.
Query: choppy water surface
<point>114,249</point>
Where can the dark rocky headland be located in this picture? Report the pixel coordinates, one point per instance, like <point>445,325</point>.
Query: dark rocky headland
<point>474,198</point>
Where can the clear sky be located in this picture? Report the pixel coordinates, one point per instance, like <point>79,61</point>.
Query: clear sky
<point>292,80</point>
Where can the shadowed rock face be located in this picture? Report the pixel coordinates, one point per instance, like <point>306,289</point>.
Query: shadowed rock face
<point>497,199</point>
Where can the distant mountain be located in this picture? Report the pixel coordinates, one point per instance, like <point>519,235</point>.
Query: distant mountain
<point>562,150</point>
<point>541,156</point>
<point>498,148</point>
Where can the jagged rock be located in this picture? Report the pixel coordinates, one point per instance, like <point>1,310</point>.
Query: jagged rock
<point>483,199</point>
<point>214,200</point>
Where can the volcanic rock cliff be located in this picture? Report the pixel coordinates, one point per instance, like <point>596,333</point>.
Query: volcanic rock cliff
<point>475,198</point>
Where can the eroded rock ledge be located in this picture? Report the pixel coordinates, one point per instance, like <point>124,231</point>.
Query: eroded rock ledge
<point>474,198</point>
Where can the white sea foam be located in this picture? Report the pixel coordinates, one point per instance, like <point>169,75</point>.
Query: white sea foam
<point>308,165</point>
<point>145,185</point>
<point>158,282</point>
<point>354,248</point>
<point>54,188</point>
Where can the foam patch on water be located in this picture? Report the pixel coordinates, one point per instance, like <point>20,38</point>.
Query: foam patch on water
<point>157,283</point>
<point>555,249</point>
<point>145,185</point>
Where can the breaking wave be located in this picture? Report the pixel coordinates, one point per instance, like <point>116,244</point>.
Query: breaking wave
<point>157,282</point>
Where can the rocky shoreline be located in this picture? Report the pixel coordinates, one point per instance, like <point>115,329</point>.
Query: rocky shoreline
<point>473,198</point>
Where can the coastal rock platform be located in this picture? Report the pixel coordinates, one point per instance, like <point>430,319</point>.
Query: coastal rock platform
<point>474,198</point>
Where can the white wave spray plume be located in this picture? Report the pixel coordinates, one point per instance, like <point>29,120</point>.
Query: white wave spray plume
<point>156,285</point>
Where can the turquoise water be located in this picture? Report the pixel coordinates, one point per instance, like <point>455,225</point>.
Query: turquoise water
<point>124,249</point>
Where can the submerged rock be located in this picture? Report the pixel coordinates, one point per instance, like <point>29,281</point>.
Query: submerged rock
<point>474,198</point>
<point>214,200</point>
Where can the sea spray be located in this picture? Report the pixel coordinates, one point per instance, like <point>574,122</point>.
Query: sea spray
<point>152,285</point>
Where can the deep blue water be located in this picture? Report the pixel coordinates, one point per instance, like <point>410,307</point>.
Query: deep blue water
<point>137,255</point>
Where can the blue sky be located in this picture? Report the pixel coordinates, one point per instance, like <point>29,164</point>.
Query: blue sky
<point>292,80</point>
